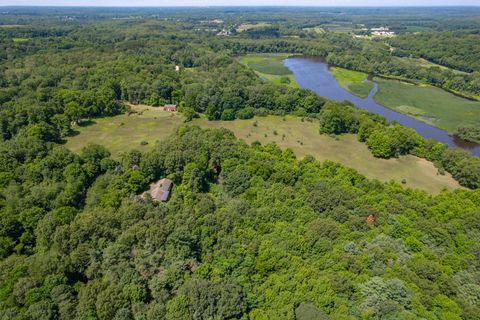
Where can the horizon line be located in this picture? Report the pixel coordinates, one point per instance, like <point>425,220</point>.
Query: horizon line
<point>243,6</point>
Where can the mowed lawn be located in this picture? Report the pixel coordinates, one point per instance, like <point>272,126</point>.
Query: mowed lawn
<point>429,104</point>
<point>122,133</point>
<point>353,81</point>
<point>303,138</point>
<point>270,67</point>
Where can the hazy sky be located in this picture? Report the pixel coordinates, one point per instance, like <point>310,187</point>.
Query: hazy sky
<point>160,3</point>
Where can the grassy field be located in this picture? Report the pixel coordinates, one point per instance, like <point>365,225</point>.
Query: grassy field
<point>419,62</point>
<point>248,26</point>
<point>418,29</point>
<point>122,133</point>
<point>339,27</point>
<point>353,81</point>
<point>270,67</point>
<point>303,138</point>
<point>9,26</point>
<point>429,104</point>
<point>20,39</point>
<point>318,29</point>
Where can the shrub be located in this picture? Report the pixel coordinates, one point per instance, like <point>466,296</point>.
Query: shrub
<point>245,113</point>
<point>228,115</point>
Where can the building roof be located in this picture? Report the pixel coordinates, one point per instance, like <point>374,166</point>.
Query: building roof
<point>160,191</point>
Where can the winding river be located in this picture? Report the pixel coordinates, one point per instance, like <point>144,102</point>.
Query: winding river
<point>312,73</point>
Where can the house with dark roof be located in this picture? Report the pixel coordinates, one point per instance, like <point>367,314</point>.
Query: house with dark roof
<point>160,190</point>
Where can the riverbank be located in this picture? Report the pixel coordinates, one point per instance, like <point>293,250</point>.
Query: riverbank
<point>270,67</point>
<point>426,103</point>
<point>313,73</point>
<point>355,82</point>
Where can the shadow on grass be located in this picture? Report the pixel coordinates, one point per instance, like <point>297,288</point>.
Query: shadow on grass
<point>86,123</point>
<point>83,124</point>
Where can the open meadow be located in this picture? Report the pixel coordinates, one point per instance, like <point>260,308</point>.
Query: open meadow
<point>420,62</point>
<point>429,104</point>
<point>122,133</point>
<point>353,81</point>
<point>303,138</point>
<point>270,67</point>
<point>249,26</point>
<point>126,132</point>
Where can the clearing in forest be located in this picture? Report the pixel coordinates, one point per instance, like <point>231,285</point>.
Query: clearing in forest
<point>139,130</point>
<point>249,26</point>
<point>303,138</point>
<point>420,62</point>
<point>123,133</point>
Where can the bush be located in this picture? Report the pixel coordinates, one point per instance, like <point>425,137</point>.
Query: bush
<point>189,114</point>
<point>245,113</point>
<point>380,144</point>
<point>228,115</point>
<point>468,132</point>
<point>261,112</point>
<point>285,80</point>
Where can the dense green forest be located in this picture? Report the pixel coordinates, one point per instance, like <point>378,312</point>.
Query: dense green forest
<point>250,232</point>
<point>454,49</point>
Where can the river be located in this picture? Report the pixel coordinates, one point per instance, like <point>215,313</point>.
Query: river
<point>312,73</point>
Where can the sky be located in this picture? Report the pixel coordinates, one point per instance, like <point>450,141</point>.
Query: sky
<point>162,3</point>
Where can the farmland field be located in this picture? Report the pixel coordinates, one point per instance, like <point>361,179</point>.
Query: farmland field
<point>429,104</point>
<point>353,81</point>
<point>270,67</point>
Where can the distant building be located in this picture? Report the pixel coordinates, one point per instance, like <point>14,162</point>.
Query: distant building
<point>383,33</point>
<point>224,33</point>
<point>160,191</point>
<point>380,29</point>
<point>170,107</point>
<point>177,68</point>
